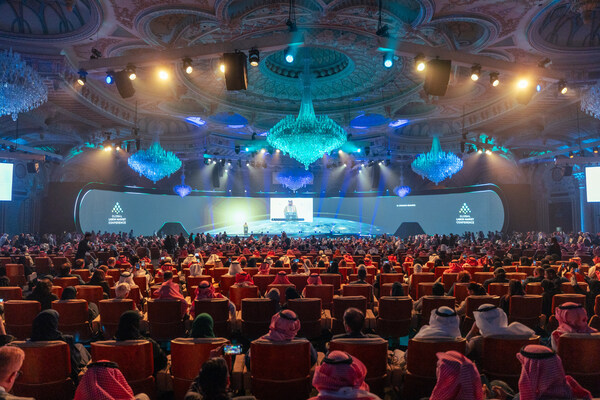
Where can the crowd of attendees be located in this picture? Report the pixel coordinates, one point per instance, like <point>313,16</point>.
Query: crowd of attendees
<point>555,259</point>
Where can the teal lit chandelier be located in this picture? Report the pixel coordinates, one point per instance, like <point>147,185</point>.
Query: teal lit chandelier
<point>154,163</point>
<point>307,137</point>
<point>437,165</point>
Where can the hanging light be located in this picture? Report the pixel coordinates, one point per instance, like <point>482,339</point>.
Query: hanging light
<point>523,83</point>
<point>562,86</point>
<point>187,65</point>
<point>437,165</point>
<point>163,74</point>
<point>82,77</point>
<point>494,80</point>
<point>420,62</point>
<point>131,72</point>
<point>222,65</point>
<point>475,72</point>
<point>294,179</point>
<point>183,189</point>
<point>154,163</point>
<point>388,59</point>
<point>254,57</point>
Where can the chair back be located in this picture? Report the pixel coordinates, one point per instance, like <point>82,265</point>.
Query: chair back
<point>187,356</point>
<point>497,289</point>
<point>473,303</point>
<point>421,359</point>
<point>196,280</point>
<point>340,305</point>
<point>481,277</point>
<point>142,283</point>
<point>562,298</point>
<point>218,309</point>
<point>282,288</point>
<point>65,281</point>
<point>83,273</point>
<point>227,281</point>
<point>448,279</point>
<point>115,273</point>
<point>164,319</point>
<point>394,316</point>
<point>526,310</point>
<point>373,354</point>
<point>110,313</point>
<point>461,292</point>
<point>323,292</point>
<point>332,279</point>
<point>359,289</point>
<point>354,277</point>
<point>431,303</point>
<point>299,281</point>
<point>256,316</point>
<point>263,282</point>
<point>386,289</point>
<point>42,265</point>
<point>73,318</point>
<point>499,360</point>
<point>11,293</point>
<point>418,278</point>
<point>238,293</point>
<point>93,294</point>
<point>38,380</point>
<point>566,287</point>
<point>579,355</point>
<point>217,273</point>
<point>16,274</point>
<point>19,315</point>
<point>139,373</point>
<point>273,374</point>
<point>534,288</point>
<point>309,314</point>
<point>390,278</point>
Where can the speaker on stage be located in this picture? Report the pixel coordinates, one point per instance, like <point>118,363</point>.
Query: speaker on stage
<point>568,170</point>
<point>236,71</point>
<point>437,77</point>
<point>376,176</point>
<point>215,175</point>
<point>124,84</point>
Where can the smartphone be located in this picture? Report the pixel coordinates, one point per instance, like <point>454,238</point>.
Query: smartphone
<point>143,263</point>
<point>232,349</point>
<point>162,259</point>
<point>197,255</point>
<point>1,300</point>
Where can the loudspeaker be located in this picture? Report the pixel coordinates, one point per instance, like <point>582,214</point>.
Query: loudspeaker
<point>376,176</point>
<point>33,167</point>
<point>124,84</point>
<point>568,170</point>
<point>236,71</point>
<point>438,76</point>
<point>215,175</point>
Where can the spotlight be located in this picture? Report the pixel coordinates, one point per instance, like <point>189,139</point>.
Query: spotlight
<point>475,72</point>
<point>420,62</point>
<point>523,83</point>
<point>488,152</point>
<point>277,151</point>
<point>131,72</point>
<point>246,149</point>
<point>357,150</point>
<point>388,59</point>
<point>262,150</point>
<point>538,87</point>
<point>163,74</point>
<point>82,77</point>
<point>254,57</point>
<point>187,65</point>
<point>118,147</point>
<point>289,56</point>
<point>479,151</point>
<point>95,54</point>
<point>222,65</point>
<point>107,147</point>
<point>562,86</point>
<point>596,150</point>
<point>571,154</point>
<point>494,81</point>
<point>110,78</point>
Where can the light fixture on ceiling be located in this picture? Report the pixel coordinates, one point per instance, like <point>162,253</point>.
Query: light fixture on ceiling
<point>110,78</point>
<point>494,79</point>
<point>538,86</point>
<point>222,65</point>
<point>163,74</point>
<point>82,77</point>
<point>475,72</point>
<point>420,62</point>
<point>562,87</point>
<point>596,150</point>
<point>388,59</point>
<point>436,165</point>
<point>254,57</point>
<point>571,154</point>
<point>523,83</point>
<point>289,55</point>
<point>95,54</point>
<point>187,65</point>
<point>131,72</point>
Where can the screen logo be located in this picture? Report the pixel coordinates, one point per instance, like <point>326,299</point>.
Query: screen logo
<point>464,216</point>
<point>117,217</point>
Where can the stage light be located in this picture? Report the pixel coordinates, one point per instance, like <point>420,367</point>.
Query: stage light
<point>388,59</point>
<point>523,83</point>
<point>596,150</point>
<point>187,65</point>
<point>345,165</point>
<point>110,78</point>
<point>562,87</point>
<point>289,56</point>
<point>222,65</point>
<point>262,150</point>
<point>488,152</point>
<point>96,54</point>
<point>475,72</point>
<point>538,87</point>
<point>494,80</point>
<point>479,151</point>
<point>357,150</point>
<point>118,147</point>
<point>254,57</point>
<point>131,72</point>
<point>420,62</point>
<point>247,164</point>
<point>571,154</point>
<point>277,151</point>
<point>163,74</point>
<point>82,77</point>
<point>246,149</point>
<point>107,147</point>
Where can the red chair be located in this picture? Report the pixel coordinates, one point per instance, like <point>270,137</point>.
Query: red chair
<point>110,313</point>
<point>517,276</point>
<point>46,371</point>
<point>92,294</point>
<point>340,305</point>
<point>57,290</point>
<point>332,279</point>
<point>65,281</point>
<point>562,298</point>
<point>431,303</point>
<point>473,303</point>
<point>42,265</point>
<point>238,293</point>
<point>417,278</point>
<point>390,278</point>
<point>263,282</point>
<point>83,273</point>
<point>227,281</point>
<point>134,294</point>
<point>256,316</point>
<point>440,271</point>
<point>568,288</point>
<point>461,291</point>
<point>370,279</point>
<point>139,373</point>
<point>73,318</point>
<point>579,355</point>
<point>386,289</point>
<point>499,360</point>
<point>526,310</point>
<point>281,288</point>
<point>217,273</point>
<point>273,374</point>
<point>16,274</point>
<point>359,289</point>
<point>481,277</point>
<point>11,293</point>
<point>299,281</point>
<point>187,356</point>
<point>142,283</point>
<point>393,320</point>
<point>115,273</point>
<point>448,279</point>
<point>196,280</point>
<point>323,292</point>
<point>164,319</point>
<point>309,314</point>
<point>498,289</point>
<point>19,315</point>
<point>218,309</point>
<point>534,288</point>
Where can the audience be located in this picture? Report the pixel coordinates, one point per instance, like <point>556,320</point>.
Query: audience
<point>212,383</point>
<point>457,378</point>
<point>42,292</point>
<point>104,380</point>
<point>202,327</point>
<point>169,290</point>
<point>354,323</point>
<point>571,318</point>
<point>443,324</point>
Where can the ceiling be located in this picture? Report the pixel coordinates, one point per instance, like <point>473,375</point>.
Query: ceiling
<point>385,109</point>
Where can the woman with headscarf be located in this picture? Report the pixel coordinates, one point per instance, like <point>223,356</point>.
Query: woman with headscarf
<point>99,279</point>
<point>492,321</point>
<point>290,294</point>
<point>42,292</point>
<point>104,380</point>
<point>243,279</point>
<point>70,293</point>
<point>341,376</point>
<point>572,318</point>
<point>281,279</point>
<point>274,295</point>
<point>397,290</point>
<point>457,378</point>
<point>543,376</point>
<point>515,288</point>
<point>45,328</point>
<point>202,327</point>
<point>444,323</point>
<point>129,329</point>
<point>333,268</point>
<point>207,291</point>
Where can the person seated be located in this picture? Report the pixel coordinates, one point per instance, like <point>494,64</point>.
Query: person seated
<point>492,321</point>
<point>354,323</point>
<point>473,289</point>
<point>104,380</point>
<point>499,277</point>
<point>313,279</point>
<point>590,295</point>
<point>122,260</point>
<point>264,268</point>
<point>397,290</point>
<point>42,292</point>
<point>234,268</point>
<point>197,267</point>
<point>281,279</point>
<point>295,269</point>
<point>290,294</point>
<point>275,297</point>
<point>361,273</point>
<point>45,328</point>
<point>111,263</point>
<point>70,293</point>
<point>127,277</point>
<point>243,279</point>
<point>417,269</point>
<point>202,327</point>
<point>207,291</point>
<point>65,272</point>
<point>538,276</point>
<point>212,382</point>
<point>457,378</point>
<point>455,268</point>
<point>187,261</point>
<point>436,290</point>
<point>572,318</point>
<point>341,376</point>
<point>463,277</point>
<point>514,289</point>
<point>386,268</point>
<point>333,268</point>
<point>170,290</point>
<point>129,329</point>
<point>11,361</point>
<point>444,323</point>
<point>99,279</point>
<point>551,288</point>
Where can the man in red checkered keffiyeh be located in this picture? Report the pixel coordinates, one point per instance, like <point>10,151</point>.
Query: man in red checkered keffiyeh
<point>457,378</point>
<point>104,380</point>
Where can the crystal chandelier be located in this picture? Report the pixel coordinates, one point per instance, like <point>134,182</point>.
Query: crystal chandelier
<point>307,137</point>
<point>437,165</point>
<point>402,191</point>
<point>590,101</point>
<point>183,189</point>
<point>154,163</point>
<point>295,179</point>
<point>21,88</point>
<point>585,8</point>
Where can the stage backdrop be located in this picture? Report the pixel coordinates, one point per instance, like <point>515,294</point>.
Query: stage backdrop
<point>114,209</point>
